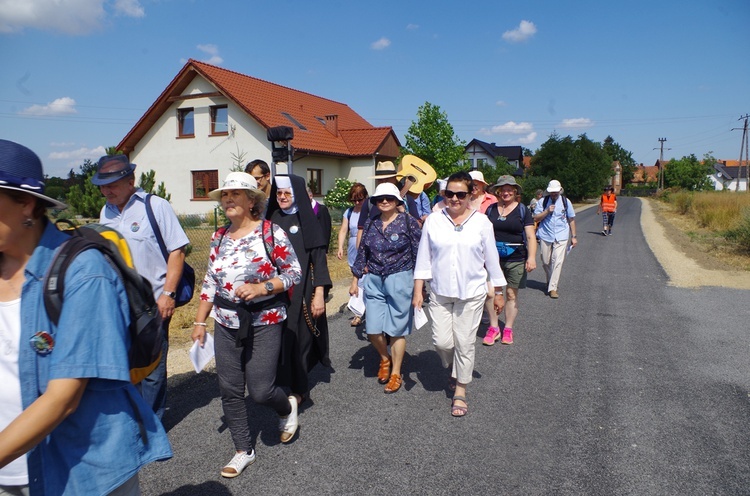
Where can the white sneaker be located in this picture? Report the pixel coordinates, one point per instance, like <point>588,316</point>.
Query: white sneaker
<point>238,463</point>
<point>288,425</point>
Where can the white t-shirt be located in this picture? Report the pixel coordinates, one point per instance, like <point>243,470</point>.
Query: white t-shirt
<point>16,472</point>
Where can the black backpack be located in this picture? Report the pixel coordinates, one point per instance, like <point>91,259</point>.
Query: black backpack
<point>145,327</point>
<point>565,204</point>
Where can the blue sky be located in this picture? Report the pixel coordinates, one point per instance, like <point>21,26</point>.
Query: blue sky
<point>77,74</point>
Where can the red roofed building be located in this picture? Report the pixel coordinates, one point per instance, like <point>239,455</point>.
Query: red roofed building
<point>208,119</point>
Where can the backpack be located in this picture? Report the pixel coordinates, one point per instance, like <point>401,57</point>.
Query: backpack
<point>564,200</point>
<point>145,326</point>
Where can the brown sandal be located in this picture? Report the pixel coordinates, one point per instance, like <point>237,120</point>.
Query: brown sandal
<point>394,384</point>
<point>384,371</point>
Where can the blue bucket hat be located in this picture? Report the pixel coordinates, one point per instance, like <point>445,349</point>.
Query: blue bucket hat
<point>21,170</point>
<point>112,168</point>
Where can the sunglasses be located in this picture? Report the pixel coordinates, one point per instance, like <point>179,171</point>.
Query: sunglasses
<point>388,199</point>
<point>458,194</point>
<point>285,194</point>
<point>357,200</point>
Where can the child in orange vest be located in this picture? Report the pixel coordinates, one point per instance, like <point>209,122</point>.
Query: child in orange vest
<point>607,207</point>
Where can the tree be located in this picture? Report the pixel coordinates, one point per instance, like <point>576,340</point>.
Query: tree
<point>527,152</point>
<point>147,181</point>
<point>432,139</point>
<point>502,167</point>
<point>86,199</point>
<point>616,152</point>
<point>581,166</point>
<point>689,173</point>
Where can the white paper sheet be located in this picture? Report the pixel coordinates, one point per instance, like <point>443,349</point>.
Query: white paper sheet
<point>200,356</point>
<point>420,318</point>
<point>357,303</point>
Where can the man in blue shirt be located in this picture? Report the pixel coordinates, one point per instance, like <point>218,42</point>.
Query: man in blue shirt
<point>557,225</point>
<point>125,211</point>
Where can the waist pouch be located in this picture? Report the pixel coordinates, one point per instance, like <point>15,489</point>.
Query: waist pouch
<point>506,249</point>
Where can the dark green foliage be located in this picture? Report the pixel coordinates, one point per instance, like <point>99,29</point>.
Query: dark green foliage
<point>338,196</point>
<point>491,173</point>
<point>688,173</point>
<point>85,199</point>
<point>616,152</point>
<point>581,166</point>
<point>532,183</point>
<point>432,139</point>
<point>147,181</point>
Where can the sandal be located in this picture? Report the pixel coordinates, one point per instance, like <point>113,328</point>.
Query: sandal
<point>356,321</point>
<point>394,384</point>
<point>384,371</point>
<point>457,410</point>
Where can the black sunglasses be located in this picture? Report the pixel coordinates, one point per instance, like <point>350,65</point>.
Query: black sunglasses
<point>459,194</point>
<point>387,198</point>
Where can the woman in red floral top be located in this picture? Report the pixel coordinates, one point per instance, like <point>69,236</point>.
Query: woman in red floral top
<point>251,266</point>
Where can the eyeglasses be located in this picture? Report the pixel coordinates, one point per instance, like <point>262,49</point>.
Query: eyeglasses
<point>388,199</point>
<point>458,194</point>
<point>284,194</point>
<point>258,178</point>
<point>357,200</point>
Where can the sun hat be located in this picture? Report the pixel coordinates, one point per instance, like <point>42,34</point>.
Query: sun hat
<point>554,186</point>
<point>384,170</point>
<point>478,176</point>
<point>386,189</point>
<point>505,181</point>
<point>236,180</point>
<point>112,168</point>
<point>442,184</point>
<point>21,170</point>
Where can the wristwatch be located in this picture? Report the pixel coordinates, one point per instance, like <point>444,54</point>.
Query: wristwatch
<point>171,294</point>
<point>269,286</point>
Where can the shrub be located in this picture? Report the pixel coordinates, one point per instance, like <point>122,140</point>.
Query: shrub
<point>741,233</point>
<point>682,201</point>
<point>338,196</point>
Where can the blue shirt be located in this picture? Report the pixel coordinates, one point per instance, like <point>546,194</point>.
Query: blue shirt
<point>554,227</point>
<point>134,226</point>
<point>388,251</point>
<point>99,446</point>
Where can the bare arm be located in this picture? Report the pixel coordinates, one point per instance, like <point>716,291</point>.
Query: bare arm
<point>36,422</point>
<point>174,273</point>
<point>343,231</point>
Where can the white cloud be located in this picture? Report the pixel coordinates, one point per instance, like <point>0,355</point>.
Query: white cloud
<point>511,127</point>
<point>61,106</point>
<point>129,8</point>
<point>213,51</point>
<point>576,123</point>
<point>501,103</point>
<point>61,144</point>
<point>523,32</point>
<point>381,44</point>
<point>528,139</point>
<point>412,27</point>
<point>79,155</point>
<point>74,17</point>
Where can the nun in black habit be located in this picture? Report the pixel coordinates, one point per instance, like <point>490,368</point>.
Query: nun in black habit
<point>305,340</point>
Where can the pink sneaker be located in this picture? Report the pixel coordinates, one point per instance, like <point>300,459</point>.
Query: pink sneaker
<point>493,334</point>
<point>507,336</point>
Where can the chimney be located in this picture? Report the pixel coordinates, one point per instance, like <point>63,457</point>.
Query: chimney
<point>332,124</point>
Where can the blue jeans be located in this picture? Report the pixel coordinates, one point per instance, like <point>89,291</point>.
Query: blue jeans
<point>154,387</point>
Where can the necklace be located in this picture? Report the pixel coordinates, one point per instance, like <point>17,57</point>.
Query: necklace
<point>459,227</point>
<point>502,216</point>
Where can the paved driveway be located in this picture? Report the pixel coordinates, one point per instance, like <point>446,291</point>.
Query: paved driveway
<point>624,385</point>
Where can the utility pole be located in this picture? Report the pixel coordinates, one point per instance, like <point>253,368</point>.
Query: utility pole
<point>743,145</point>
<point>660,185</point>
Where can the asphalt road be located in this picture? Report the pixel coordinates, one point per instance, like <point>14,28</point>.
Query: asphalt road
<point>624,385</point>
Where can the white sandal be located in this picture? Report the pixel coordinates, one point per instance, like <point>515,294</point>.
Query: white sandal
<point>238,463</point>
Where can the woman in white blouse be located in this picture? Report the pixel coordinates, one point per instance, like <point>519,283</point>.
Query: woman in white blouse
<point>456,253</point>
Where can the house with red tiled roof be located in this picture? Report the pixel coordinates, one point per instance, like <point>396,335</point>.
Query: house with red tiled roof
<point>209,120</point>
<point>645,174</point>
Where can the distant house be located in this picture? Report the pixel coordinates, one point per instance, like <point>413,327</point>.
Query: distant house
<point>208,118</point>
<point>481,153</point>
<point>729,175</point>
<point>644,174</point>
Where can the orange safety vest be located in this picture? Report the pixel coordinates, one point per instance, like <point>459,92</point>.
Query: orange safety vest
<point>608,203</point>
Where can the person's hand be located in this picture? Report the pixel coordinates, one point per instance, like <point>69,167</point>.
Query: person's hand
<point>551,208</point>
<point>573,242</point>
<point>417,299</point>
<point>530,264</point>
<point>199,334</point>
<point>340,253</point>
<point>318,304</point>
<point>354,288</point>
<point>248,291</point>
<point>166,306</point>
<point>499,302</point>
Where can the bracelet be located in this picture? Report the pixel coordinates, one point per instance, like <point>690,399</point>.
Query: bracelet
<point>202,324</point>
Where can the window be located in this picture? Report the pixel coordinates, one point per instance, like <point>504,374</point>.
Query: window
<point>481,162</point>
<point>186,122</point>
<point>315,180</point>
<point>203,182</point>
<point>219,120</point>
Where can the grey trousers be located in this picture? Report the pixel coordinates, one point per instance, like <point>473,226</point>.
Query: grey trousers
<point>252,365</point>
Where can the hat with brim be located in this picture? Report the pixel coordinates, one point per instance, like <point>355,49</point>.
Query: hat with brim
<point>505,181</point>
<point>384,170</point>
<point>554,186</point>
<point>21,170</point>
<point>112,168</point>
<point>478,176</point>
<point>237,180</point>
<point>386,189</point>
